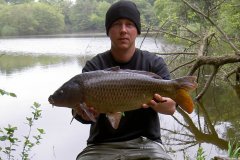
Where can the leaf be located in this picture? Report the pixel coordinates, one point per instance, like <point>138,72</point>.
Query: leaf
<point>7,148</point>
<point>3,138</point>
<point>41,130</point>
<point>236,153</point>
<point>12,94</point>
<point>2,92</point>
<point>229,149</point>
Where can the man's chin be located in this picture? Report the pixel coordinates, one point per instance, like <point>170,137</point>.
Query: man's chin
<point>123,46</point>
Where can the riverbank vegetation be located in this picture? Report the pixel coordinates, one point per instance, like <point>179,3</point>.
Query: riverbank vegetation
<point>12,145</point>
<point>28,17</point>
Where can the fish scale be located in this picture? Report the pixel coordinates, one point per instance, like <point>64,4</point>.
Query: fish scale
<point>120,92</point>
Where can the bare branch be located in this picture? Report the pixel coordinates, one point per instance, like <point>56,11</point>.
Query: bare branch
<point>203,46</point>
<point>183,65</point>
<point>144,38</point>
<point>175,35</point>
<point>232,72</point>
<point>207,84</point>
<point>237,51</point>
<point>177,53</point>
<point>216,6</point>
<point>186,29</point>
<point>180,122</point>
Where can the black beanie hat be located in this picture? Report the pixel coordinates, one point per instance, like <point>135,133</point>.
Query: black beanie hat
<point>123,9</point>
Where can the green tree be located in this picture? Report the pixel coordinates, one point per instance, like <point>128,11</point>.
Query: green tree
<point>64,7</point>
<point>49,19</point>
<point>148,16</point>
<point>30,18</point>
<point>97,19</point>
<point>81,15</point>
<point>18,1</point>
<point>2,2</point>
<point>229,16</point>
<point>171,13</point>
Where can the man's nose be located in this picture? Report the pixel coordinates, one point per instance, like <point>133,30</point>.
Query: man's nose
<point>123,28</point>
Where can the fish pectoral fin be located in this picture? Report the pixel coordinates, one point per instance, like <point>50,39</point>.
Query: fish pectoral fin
<point>91,116</point>
<point>114,119</point>
<point>184,100</point>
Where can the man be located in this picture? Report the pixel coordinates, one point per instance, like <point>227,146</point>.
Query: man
<point>138,135</point>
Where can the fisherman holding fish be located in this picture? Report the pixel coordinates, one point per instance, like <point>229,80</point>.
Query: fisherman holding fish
<point>138,136</point>
<point>121,92</point>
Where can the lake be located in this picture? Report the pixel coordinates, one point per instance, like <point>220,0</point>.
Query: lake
<point>33,68</point>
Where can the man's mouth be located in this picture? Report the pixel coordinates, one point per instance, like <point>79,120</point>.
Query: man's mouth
<point>123,39</point>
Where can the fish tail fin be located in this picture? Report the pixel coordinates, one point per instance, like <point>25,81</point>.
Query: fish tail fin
<point>183,99</point>
<point>188,82</point>
<point>114,119</point>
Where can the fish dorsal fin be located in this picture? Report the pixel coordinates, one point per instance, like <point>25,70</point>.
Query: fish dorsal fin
<point>151,74</point>
<point>118,69</point>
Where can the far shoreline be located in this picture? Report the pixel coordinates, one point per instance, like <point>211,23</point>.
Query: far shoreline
<point>69,35</point>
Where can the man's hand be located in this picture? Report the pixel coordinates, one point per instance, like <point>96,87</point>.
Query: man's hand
<point>161,104</point>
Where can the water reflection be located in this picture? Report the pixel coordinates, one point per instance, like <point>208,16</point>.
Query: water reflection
<point>11,63</point>
<point>215,121</point>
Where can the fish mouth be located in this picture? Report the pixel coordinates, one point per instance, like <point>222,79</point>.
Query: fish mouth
<point>51,100</point>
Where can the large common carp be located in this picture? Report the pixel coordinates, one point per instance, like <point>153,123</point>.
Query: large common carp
<point>115,90</point>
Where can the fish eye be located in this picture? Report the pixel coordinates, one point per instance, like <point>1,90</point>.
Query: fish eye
<point>61,91</point>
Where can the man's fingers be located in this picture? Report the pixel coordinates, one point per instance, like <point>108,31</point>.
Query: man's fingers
<point>159,99</point>
<point>145,106</point>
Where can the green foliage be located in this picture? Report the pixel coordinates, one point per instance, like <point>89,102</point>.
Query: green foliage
<point>11,142</point>
<point>148,16</point>
<point>233,149</point>
<point>30,18</point>
<point>229,15</point>
<point>9,31</point>
<point>2,92</point>
<point>2,1</point>
<point>166,10</point>
<point>18,1</point>
<point>172,13</point>
<point>48,18</point>
<point>88,15</point>
<point>200,154</point>
<point>7,135</point>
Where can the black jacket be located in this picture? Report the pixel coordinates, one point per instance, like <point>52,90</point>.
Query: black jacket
<point>136,123</point>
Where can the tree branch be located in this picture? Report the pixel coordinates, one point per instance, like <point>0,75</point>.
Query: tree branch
<point>237,51</point>
<point>175,35</point>
<point>215,61</point>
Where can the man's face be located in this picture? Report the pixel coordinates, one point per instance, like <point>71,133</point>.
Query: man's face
<point>123,33</point>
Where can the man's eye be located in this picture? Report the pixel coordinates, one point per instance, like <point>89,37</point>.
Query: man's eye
<point>130,25</point>
<point>116,24</point>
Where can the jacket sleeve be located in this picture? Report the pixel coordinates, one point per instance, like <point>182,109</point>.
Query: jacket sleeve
<point>160,68</point>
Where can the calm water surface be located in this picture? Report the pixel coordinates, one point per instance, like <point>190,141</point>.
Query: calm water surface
<point>35,67</point>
